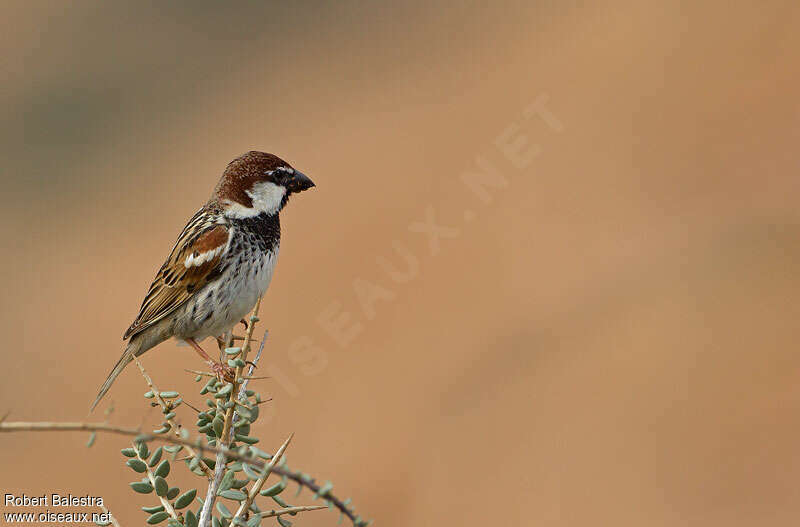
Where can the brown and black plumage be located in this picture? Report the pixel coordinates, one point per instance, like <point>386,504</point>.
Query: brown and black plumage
<point>221,263</point>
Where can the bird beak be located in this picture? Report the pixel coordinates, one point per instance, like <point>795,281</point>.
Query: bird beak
<point>299,182</point>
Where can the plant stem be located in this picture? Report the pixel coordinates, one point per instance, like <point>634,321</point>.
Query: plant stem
<point>256,488</point>
<point>172,423</point>
<point>152,478</point>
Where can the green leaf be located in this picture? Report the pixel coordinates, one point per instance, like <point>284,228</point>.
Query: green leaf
<point>227,481</point>
<point>92,437</point>
<point>260,453</point>
<point>169,416</point>
<point>236,495</point>
<point>137,465</point>
<point>233,351</point>
<point>151,510</point>
<point>254,521</point>
<point>172,492</point>
<point>284,523</point>
<point>245,412</point>
<point>128,452</point>
<point>162,469</point>
<point>228,388</point>
<point>172,449</point>
<point>156,457</point>
<point>246,439</point>
<point>218,426</point>
<point>149,395</point>
<point>185,499</point>
<point>275,489</point>
<point>169,395</point>
<point>157,518</point>
<point>141,487</point>
<point>161,486</point>
<point>143,451</point>
<point>223,510</point>
<point>174,523</point>
<point>190,519</point>
<point>250,472</point>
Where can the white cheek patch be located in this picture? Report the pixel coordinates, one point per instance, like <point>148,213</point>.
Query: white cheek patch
<point>266,197</point>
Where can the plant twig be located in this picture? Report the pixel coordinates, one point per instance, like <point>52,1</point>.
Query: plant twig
<point>291,510</point>
<point>114,521</point>
<point>226,430</point>
<point>47,426</point>
<point>175,426</point>
<point>211,494</point>
<point>167,505</point>
<point>256,488</point>
<point>298,477</point>
<point>206,374</point>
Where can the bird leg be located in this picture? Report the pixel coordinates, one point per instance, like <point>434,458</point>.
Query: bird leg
<point>220,370</point>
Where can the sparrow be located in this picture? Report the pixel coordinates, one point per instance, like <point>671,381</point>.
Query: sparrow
<point>221,263</point>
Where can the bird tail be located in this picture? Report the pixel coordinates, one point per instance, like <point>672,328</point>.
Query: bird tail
<point>134,349</point>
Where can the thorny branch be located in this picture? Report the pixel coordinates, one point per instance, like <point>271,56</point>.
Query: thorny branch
<point>175,427</point>
<point>222,451</point>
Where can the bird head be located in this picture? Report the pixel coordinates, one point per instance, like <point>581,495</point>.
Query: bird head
<point>256,183</point>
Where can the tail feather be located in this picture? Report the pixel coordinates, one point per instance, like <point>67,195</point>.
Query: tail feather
<point>134,349</point>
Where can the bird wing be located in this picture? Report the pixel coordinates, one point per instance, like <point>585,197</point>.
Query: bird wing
<point>194,262</point>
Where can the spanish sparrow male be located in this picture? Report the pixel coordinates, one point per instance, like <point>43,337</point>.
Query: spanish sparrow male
<point>220,265</point>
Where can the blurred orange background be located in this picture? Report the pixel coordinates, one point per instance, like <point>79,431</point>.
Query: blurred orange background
<point>605,333</point>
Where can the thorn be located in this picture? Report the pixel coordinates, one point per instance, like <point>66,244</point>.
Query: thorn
<point>197,372</point>
<point>238,337</point>
<point>192,407</point>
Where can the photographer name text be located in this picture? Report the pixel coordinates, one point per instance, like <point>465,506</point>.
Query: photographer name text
<point>52,500</point>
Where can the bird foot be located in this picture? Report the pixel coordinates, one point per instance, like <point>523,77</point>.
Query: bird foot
<point>222,371</point>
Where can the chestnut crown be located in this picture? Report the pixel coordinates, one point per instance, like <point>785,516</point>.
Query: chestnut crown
<point>258,182</point>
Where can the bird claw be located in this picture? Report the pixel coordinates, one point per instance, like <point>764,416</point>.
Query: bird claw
<point>223,372</point>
